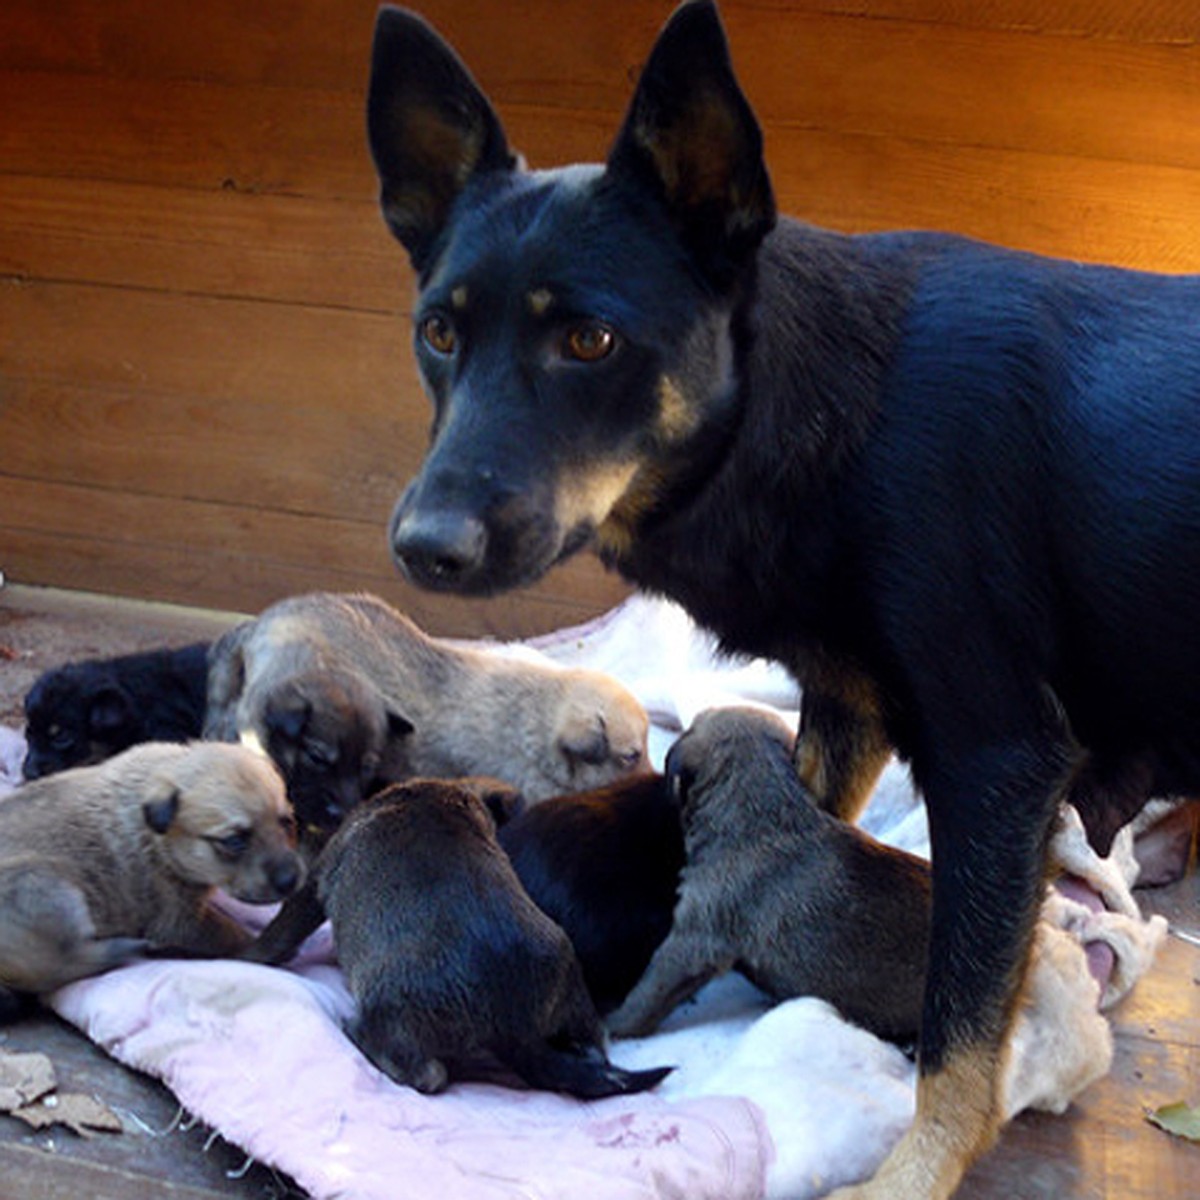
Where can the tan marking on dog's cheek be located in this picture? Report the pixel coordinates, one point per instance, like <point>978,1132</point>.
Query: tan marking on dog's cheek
<point>677,418</point>
<point>615,535</point>
<point>587,498</point>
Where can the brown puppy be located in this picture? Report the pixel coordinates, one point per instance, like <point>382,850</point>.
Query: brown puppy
<point>101,863</point>
<point>325,726</point>
<point>798,901</point>
<point>447,958</point>
<point>544,729</point>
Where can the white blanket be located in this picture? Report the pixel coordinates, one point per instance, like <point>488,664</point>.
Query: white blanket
<point>765,1101</point>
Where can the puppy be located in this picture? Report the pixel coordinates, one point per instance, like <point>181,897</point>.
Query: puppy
<point>100,864</point>
<point>322,723</point>
<point>453,710</point>
<point>604,865</point>
<point>446,956</point>
<point>85,712</point>
<point>799,902</point>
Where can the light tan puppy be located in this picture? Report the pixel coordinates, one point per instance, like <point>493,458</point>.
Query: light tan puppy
<point>543,729</point>
<point>99,864</point>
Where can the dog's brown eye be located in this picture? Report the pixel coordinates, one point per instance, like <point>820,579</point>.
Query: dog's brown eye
<point>589,342</point>
<point>438,334</point>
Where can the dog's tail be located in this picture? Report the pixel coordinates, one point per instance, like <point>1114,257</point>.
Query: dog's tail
<point>584,1072</point>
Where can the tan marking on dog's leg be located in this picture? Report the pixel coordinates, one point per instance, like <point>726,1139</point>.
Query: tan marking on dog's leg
<point>958,1119</point>
<point>840,754</point>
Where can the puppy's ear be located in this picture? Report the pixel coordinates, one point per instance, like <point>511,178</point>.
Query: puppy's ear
<point>584,739</point>
<point>287,714</point>
<point>398,726</point>
<point>109,710</point>
<point>678,775</point>
<point>160,812</point>
<point>430,127</point>
<point>691,139</point>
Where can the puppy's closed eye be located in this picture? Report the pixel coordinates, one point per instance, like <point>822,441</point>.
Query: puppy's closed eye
<point>232,845</point>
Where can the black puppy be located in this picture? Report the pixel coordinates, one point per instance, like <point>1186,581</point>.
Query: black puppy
<point>954,488</point>
<point>447,958</point>
<point>605,866</point>
<point>85,712</point>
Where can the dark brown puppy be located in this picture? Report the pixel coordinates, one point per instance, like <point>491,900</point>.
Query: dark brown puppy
<point>447,958</point>
<point>84,712</point>
<point>605,866</point>
<point>798,901</point>
<point>323,723</point>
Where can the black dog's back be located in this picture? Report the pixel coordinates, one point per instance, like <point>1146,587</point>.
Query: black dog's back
<point>605,866</point>
<point>87,711</point>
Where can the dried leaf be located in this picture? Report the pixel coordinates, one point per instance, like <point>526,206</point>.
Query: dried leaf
<point>1181,1119</point>
<point>24,1078</point>
<point>82,1114</point>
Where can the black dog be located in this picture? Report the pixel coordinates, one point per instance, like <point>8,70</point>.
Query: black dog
<point>605,866</point>
<point>84,712</point>
<point>447,958</point>
<point>954,488</point>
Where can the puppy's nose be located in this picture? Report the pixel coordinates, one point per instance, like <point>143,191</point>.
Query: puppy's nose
<point>284,875</point>
<point>437,548</point>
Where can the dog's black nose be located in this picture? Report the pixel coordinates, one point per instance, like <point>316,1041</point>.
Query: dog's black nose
<point>437,549</point>
<point>284,875</point>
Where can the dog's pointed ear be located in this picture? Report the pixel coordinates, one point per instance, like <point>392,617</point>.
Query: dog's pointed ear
<point>692,139</point>
<point>160,812</point>
<point>430,128</point>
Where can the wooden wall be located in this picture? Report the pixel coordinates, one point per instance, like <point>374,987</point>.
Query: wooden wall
<point>206,393</point>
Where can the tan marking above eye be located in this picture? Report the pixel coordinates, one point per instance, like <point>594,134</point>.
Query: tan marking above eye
<point>540,301</point>
<point>459,297</point>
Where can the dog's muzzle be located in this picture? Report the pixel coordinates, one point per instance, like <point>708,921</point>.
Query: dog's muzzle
<point>438,549</point>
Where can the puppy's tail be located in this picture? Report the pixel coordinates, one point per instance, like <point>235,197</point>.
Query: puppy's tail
<point>585,1073</point>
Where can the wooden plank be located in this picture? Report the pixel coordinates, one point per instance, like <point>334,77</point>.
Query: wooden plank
<point>310,410</point>
<point>223,243</point>
<point>1072,97</point>
<point>324,43</point>
<point>242,559</point>
<point>1174,22</point>
<point>1120,213</point>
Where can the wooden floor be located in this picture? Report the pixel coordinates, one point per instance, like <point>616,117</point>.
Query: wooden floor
<point>1102,1147</point>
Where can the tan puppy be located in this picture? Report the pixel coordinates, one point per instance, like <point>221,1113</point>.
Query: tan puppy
<point>454,710</point>
<point>101,863</point>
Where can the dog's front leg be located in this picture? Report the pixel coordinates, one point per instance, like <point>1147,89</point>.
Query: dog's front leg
<point>991,818</point>
<point>840,751</point>
<point>680,967</point>
<point>301,915</point>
